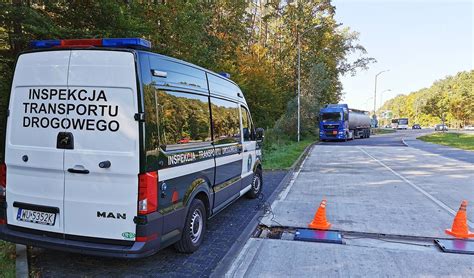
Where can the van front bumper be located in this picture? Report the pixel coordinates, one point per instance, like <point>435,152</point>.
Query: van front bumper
<point>133,250</point>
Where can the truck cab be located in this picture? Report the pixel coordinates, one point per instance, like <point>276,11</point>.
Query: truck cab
<point>334,123</point>
<point>339,122</point>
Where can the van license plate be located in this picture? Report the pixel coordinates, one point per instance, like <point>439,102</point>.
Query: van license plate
<point>39,217</point>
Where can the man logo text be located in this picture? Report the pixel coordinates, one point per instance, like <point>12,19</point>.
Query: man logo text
<point>103,214</point>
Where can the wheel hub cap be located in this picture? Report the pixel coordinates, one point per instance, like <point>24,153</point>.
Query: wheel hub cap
<point>195,228</point>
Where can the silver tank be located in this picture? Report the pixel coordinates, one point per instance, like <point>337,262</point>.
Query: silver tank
<point>358,119</point>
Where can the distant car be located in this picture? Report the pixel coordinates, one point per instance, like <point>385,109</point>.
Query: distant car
<point>469,127</point>
<point>388,126</point>
<point>416,126</point>
<point>441,128</point>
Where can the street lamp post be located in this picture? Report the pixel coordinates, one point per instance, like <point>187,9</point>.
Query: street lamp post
<point>299,81</point>
<point>375,90</point>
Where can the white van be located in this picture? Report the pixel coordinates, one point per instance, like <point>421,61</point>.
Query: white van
<point>113,150</point>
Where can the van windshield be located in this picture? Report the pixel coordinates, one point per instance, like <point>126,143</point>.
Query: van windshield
<point>331,117</point>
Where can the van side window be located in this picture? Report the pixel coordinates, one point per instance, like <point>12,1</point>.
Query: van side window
<point>247,126</point>
<point>226,119</point>
<point>183,118</point>
<point>151,122</point>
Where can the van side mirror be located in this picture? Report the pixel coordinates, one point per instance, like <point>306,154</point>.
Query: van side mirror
<point>260,134</point>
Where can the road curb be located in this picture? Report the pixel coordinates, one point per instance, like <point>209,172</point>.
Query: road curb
<point>404,143</point>
<point>21,263</point>
<point>226,262</point>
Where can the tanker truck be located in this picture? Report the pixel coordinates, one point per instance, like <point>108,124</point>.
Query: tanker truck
<point>339,122</point>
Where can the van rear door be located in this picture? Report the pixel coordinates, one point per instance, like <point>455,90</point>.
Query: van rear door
<point>101,170</point>
<point>35,168</point>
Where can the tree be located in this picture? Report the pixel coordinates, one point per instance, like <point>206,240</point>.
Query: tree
<point>449,99</point>
<point>254,41</point>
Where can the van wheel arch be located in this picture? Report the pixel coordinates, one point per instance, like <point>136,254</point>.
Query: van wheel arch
<point>203,196</point>
<point>257,166</point>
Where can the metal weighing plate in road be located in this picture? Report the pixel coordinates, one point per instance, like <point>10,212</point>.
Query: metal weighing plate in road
<point>318,236</point>
<point>458,246</point>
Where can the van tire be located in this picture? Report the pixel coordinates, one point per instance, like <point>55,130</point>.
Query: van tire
<point>256,187</point>
<point>191,238</point>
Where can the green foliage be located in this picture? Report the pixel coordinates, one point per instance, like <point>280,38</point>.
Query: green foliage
<point>255,41</point>
<point>382,130</point>
<point>457,140</point>
<point>449,99</point>
<point>281,153</point>
<point>7,259</point>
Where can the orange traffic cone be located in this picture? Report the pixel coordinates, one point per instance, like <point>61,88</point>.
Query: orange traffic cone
<point>320,222</point>
<point>460,228</point>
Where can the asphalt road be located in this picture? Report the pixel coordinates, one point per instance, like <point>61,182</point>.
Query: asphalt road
<point>222,231</point>
<point>390,139</point>
<point>457,154</point>
<point>389,201</point>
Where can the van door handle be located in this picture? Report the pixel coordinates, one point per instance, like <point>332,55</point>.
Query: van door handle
<point>78,171</point>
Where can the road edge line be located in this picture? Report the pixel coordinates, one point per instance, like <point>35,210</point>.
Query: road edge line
<point>421,190</point>
<point>227,261</point>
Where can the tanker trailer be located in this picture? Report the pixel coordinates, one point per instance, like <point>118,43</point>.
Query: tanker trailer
<point>339,122</point>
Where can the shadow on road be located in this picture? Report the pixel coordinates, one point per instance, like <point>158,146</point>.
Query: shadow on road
<point>221,233</point>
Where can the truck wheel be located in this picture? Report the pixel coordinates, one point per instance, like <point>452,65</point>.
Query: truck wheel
<point>194,228</point>
<point>256,188</point>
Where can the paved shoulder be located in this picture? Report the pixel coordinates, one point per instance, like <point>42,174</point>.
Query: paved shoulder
<point>388,201</point>
<point>281,258</point>
<point>221,234</point>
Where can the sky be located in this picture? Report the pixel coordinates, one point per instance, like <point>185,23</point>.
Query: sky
<point>418,41</point>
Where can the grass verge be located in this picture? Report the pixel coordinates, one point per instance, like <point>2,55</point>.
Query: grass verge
<point>383,130</point>
<point>283,155</point>
<point>457,140</point>
<point>7,259</point>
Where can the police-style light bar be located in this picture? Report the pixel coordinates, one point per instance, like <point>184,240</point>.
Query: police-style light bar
<point>122,42</point>
<point>225,74</point>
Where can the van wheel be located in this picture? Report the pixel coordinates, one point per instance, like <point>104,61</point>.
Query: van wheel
<point>194,228</point>
<point>256,188</point>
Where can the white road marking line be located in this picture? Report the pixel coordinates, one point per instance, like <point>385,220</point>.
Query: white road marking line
<point>294,177</point>
<point>436,201</point>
